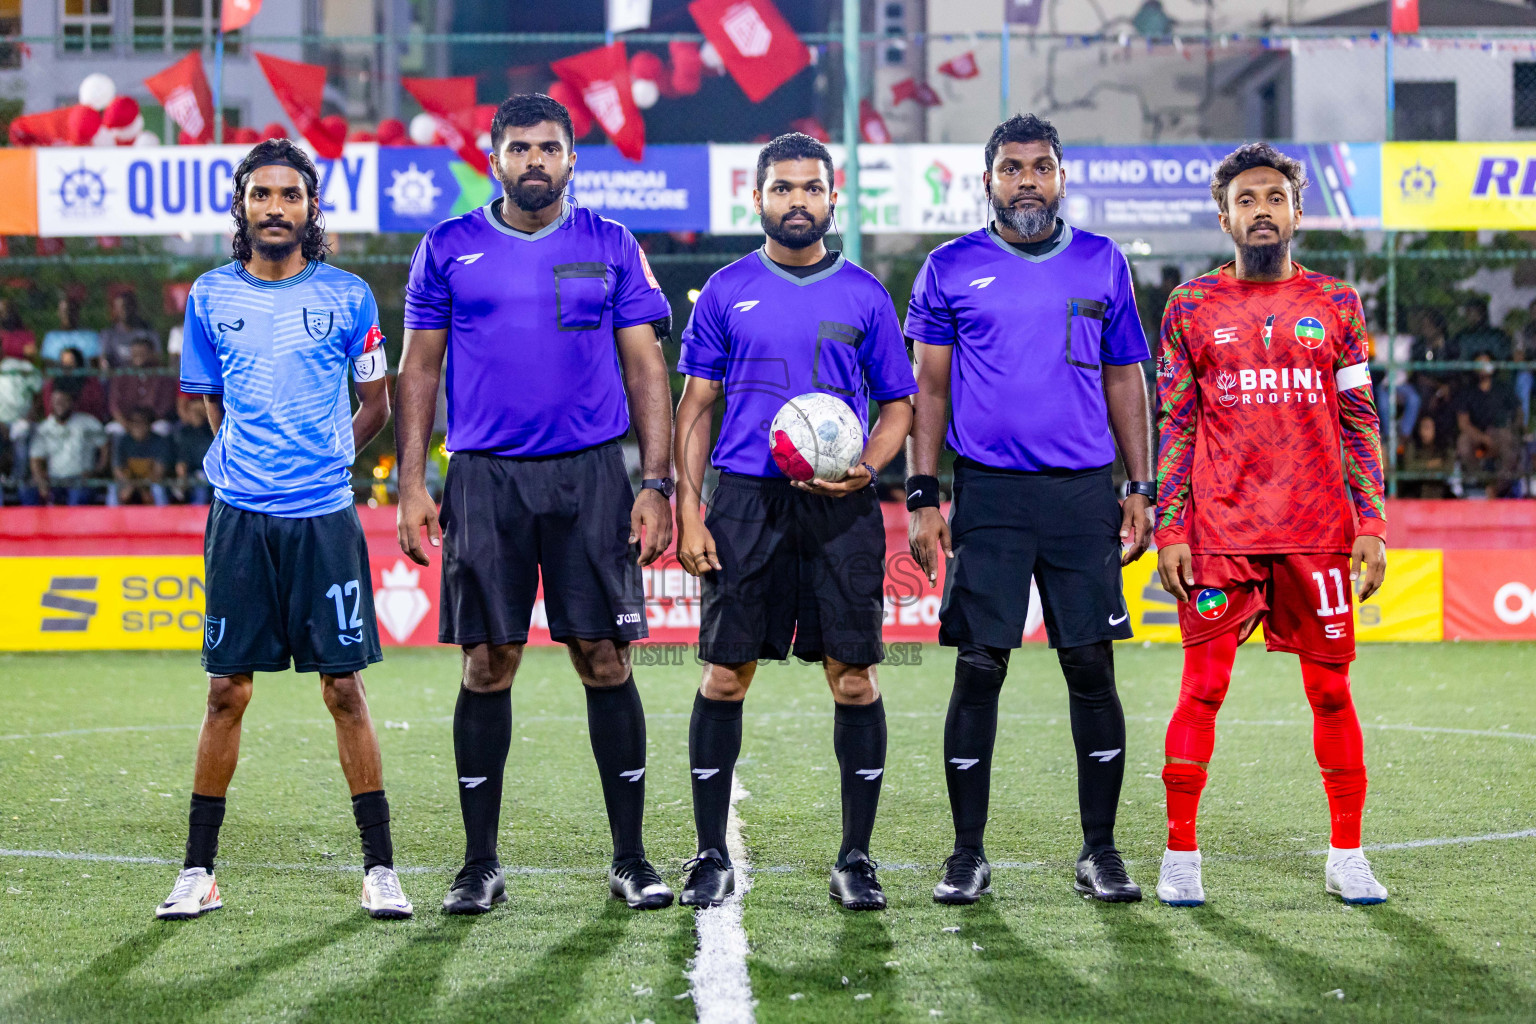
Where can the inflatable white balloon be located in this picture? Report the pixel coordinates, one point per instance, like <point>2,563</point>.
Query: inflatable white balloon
<point>483,141</point>
<point>645,92</point>
<point>146,139</point>
<point>104,137</point>
<point>97,90</point>
<point>423,129</point>
<point>711,58</point>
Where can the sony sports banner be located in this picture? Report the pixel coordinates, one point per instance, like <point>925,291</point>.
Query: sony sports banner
<point>666,191</point>
<point>1458,186</point>
<point>168,190</point>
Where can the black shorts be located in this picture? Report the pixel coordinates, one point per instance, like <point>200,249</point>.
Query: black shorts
<point>1062,528</point>
<point>281,588</point>
<point>505,519</point>
<point>796,567</point>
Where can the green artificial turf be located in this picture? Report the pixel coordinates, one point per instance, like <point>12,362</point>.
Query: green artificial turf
<point>96,753</point>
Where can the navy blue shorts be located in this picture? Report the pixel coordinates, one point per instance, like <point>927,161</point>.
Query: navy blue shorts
<point>283,589</point>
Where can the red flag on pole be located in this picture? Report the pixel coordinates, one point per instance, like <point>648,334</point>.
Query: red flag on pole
<point>182,90</point>
<point>963,66</point>
<point>45,128</point>
<point>601,78</point>
<point>759,48</point>
<point>872,125</point>
<point>452,102</point>
<point>1405,16</point>
<point>238,14</point>
<point>912,89</point>
<point>299,88</point>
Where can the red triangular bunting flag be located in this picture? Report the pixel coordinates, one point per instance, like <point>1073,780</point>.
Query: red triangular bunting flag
<point>452,102</point>
<point>182,90</point>
<point>299,88</point>
<point>601,78</point>
<point>963,66</point>
<point>758,47</point>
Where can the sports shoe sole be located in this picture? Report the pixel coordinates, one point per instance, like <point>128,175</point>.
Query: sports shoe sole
<point>387,914</point>
<point>178,916</point>
<point>957,900</point>
<point>1181,903</point>
<point>471,908</point>
<point>1089,891</point>
<point>1362,901</point>
<point>861,905</point>
<point>657,902</point>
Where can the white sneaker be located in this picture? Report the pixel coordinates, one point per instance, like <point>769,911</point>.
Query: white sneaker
<point>1178,883</point>
<point>1348,875</point>
<point>195,892</point>
<point>382,896</point>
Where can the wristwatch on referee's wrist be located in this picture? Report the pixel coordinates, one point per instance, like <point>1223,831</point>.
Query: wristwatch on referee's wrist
<point>663,484</point>
<point>1146,488</point>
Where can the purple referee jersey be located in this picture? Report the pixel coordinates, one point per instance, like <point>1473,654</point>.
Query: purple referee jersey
<point>533,368</point>
<point>1030,335</point>
<point>772,336</point>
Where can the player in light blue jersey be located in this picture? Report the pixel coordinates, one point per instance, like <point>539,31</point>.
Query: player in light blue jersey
<point>267,343</point>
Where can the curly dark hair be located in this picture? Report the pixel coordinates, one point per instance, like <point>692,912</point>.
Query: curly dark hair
<point>313,244</point>
<point>1023,128</point>
<point>1249,156</point>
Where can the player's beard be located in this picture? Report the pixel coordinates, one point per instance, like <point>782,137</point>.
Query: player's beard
<point>1028,221</point>
<point>276,252</point>
<point>796,234</point>
<point>532,193</point>
<point>1265,259</point>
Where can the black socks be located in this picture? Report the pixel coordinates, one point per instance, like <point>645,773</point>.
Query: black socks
<point>858,737</point>
<point>714,742</point>
<point>482,734</point>
<point>1098,732</point>
<point>204,819</point>
<point>616,720</point>
<point>970,729</point>
<point>371,812</point>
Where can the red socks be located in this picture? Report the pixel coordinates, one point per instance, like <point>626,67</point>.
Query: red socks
<point>1339,748</point>
<point>1192,732</point>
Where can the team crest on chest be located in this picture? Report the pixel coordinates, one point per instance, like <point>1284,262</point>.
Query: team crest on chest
<point>318,322</point>
<point>1309,331</point>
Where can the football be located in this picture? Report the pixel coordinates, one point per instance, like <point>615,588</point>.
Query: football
<point>816,436</point>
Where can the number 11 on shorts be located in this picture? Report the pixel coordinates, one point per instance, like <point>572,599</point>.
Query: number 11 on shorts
<point>1325,610</point>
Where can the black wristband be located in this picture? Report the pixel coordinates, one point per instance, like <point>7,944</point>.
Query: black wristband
<point>922,492</point>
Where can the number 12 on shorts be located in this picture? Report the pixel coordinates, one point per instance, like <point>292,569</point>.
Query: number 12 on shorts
<point>351,589</point>
<point>1325,610</point>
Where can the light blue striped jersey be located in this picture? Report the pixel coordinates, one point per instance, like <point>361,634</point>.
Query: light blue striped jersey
<point>278,352</point>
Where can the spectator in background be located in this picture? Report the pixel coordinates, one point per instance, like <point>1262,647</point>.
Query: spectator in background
<point>1434,389</point>
<point>1477,334</point>
<point>66,448</point>
<point>1425,452</point>
<point>20,383</point>
<point>16,342</point>
<point>70,334</point>
<point>84,386</point>
<point>127,328</point>
<point>142,384</point>
<point>190,443</point>
<point>1487,437</point>
<point>140,461</point>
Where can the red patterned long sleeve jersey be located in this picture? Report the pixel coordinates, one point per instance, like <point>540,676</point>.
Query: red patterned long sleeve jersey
<point>1269,439</point>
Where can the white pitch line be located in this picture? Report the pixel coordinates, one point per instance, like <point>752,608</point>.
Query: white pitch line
<point>719,982</point>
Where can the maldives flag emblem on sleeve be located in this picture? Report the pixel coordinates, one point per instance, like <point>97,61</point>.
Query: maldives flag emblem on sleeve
<point>757,45</point>
<point>1211,603</point>
<point>374,339</point>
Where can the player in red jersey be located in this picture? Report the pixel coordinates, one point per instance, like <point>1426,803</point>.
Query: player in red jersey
<point>1269,496</point>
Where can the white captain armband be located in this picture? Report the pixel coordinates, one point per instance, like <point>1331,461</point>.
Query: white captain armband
<point>1357,376</point>
<point>369,366</point>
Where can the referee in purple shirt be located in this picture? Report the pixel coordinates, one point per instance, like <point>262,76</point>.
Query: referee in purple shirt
<point>550,322</point>
<point>1028,329</point>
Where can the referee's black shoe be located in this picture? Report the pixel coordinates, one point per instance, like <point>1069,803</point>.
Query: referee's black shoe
<point>855,886</point>
<point>967,878</point>
<point>637,883</point>
<point>1101,874</point>
<point>480,884</point>
<point>710,880</point>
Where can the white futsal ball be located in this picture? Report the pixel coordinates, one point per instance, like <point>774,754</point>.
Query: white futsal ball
<point>816,435</point>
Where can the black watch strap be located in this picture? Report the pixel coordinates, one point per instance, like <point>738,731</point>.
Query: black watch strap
<point>663,484</point>
<point>1146,488</point>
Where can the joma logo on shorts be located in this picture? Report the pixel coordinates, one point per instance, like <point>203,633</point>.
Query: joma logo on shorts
<point>626,617</point>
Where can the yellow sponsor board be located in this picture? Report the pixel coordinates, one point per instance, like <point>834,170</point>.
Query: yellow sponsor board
<point>1458,186</point>
<point>1409,605</point>
<point>132,602</point>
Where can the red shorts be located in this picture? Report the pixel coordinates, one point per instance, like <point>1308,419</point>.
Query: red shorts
<point>1304,601</point>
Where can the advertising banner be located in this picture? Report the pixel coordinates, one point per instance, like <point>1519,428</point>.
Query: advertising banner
<point>169,190</point>
<point>667,191</point>
<point>137,602</point>
<point>1490,595</point>
<point>733,176</point>
<point>1458,186</point>
<point>18,183</point>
